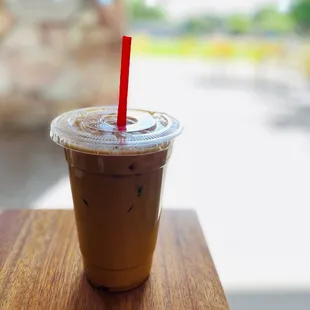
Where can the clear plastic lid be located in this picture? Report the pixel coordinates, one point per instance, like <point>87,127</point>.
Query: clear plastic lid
<point>95,130</point>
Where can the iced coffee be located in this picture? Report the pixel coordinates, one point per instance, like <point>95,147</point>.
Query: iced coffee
<point>117,179</point>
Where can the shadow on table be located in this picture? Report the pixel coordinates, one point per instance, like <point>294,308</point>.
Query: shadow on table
<point>260,300</point>
<point>87,297</point>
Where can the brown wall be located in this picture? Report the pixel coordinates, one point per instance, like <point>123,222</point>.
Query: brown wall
<point>68,65</point>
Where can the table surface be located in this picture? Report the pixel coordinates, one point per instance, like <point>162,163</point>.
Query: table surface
<point>41,267</point>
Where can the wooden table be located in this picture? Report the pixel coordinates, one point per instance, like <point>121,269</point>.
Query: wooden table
<point>41,268</point>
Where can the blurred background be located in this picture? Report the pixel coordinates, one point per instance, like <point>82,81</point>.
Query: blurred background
<point>236,73</point>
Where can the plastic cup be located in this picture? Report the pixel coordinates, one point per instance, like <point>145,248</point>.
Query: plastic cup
<point>116,180</point>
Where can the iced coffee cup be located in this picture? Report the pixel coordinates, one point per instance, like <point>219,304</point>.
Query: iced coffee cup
<point>117,179</point>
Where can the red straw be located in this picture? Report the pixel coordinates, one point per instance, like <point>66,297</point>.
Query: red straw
<point>124,79</point>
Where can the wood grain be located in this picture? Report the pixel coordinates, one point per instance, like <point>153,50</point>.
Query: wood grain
<point>41,268</point>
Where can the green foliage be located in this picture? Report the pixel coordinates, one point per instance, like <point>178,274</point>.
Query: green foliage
<point>269,19</point>
<point>139,11</point>
<point>266,20</point>
<point>238,24</point>
<point>200,25</point>
<point>300,12</point>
